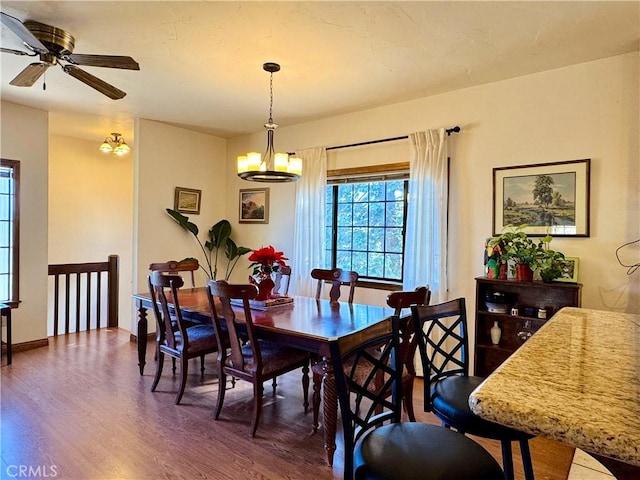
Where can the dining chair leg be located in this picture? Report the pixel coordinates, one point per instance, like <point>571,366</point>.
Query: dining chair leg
<point>222,388</point>
<point>258,391</point>
<point>407,391</point>
<point>526,460</point>
<point>184,365</point>
<point>274,384</point>
<point>173,365</point>
<point>159,365</point>
<point>507,460</point>
<point>305,388</point>
<point>315,399</point>
<point>202,364</point>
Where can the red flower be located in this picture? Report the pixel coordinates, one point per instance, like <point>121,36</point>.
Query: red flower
<point>267,256</point>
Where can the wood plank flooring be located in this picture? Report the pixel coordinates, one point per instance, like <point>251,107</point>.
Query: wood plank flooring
<point>79,409</point>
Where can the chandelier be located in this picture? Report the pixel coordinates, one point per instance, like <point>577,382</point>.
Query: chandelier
<point>115,144</point>
<point>274,167</point>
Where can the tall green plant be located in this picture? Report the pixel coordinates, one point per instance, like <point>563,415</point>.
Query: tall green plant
<point>218,237</point>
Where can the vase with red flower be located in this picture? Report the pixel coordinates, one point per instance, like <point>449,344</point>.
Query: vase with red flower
<point>265,262</point>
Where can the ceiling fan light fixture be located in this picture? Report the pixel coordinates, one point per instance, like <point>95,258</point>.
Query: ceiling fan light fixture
<point>274,167</point>
<point>116,144</point>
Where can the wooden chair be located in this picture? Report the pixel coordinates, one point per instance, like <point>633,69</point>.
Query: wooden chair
<point>336,277</point>
<point>255,361</point>
<point>176,268</point>
<point>174,337</point>
<point>444,347</point>
<point>399,301</point>
<point>282,280</point>
<point>377,444</point>
<point>173,267</point>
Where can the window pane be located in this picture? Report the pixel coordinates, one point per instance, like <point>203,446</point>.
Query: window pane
<point>376,214</point>
<point>360,214</point>
<point>344,238</point>
<point>393,240</point>
<point>359,263</point>
<point>376,191</point>
<point>376,265</point>
<point>361,192</point>
<point>345,193</point>
<point>393,266</point>
<point>395,190</point>
<point>345,214</point>
<point>376,239</point>
<point>395,214</point>
<point>343,260</point>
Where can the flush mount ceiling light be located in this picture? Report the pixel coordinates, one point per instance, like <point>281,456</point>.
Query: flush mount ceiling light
<point>274,167</point>
<point>116,144</point>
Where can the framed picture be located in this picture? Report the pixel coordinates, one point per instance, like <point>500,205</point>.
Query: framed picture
<point>187,200</point>
<point>550,198</point>
<point>570,272</point>
<point>254,205</point>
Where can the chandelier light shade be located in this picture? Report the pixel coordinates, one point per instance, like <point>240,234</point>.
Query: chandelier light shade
<point>273,167</point>
<point>116,144</point>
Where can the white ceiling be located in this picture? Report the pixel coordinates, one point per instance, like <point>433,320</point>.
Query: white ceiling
<point>201,62</point>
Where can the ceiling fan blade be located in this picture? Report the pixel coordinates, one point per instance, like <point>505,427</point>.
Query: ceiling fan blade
<point>109,61</point>
<point>16,52</point>
<point>29,75</point>
<point>94,82</point>
<point>17,27</point>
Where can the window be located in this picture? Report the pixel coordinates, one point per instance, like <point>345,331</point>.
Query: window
<point>365,231</point>
<point>9,230</point>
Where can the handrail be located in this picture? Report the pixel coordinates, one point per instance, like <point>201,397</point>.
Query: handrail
<point>83,275</point>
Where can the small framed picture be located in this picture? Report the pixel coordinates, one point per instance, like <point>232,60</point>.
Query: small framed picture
<point>187,200</point>
<point>570,272</point>
<point>254,205</point>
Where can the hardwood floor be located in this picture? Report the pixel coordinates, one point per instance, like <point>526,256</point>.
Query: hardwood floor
<point>79,409</point>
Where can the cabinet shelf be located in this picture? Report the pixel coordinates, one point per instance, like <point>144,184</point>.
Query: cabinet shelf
<point>550,296</point>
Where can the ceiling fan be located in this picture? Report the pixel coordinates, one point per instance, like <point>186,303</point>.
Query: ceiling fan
<point>53,46</point>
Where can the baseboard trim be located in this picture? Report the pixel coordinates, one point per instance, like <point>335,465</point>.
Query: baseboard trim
<point>134,338</point>
<point>24,346</point>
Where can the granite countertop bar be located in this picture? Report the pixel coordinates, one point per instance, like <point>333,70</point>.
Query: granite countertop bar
<point>577,380</point>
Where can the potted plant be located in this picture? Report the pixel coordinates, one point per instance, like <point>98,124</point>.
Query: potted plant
<point>551,263</point>
<point>521,250</point>
<point>219,236</point>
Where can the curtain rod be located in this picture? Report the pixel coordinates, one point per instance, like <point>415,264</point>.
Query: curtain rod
<point>449,131</point>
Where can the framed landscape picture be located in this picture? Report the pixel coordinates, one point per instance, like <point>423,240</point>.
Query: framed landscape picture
<point>550,198</point>
<point>187,200</point>
<point>254,205</point>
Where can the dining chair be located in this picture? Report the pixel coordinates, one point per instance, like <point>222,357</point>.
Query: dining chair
<point>336,277</point>
<point>444,346</point>
<point>377,445</point>
<point>174,337</point>
<point>282,280</point>
<point>255,360</point>
<point>174,267</point>
<point>409,345</point>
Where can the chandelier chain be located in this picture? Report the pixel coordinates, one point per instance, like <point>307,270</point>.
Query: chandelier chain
<point>271,96</point>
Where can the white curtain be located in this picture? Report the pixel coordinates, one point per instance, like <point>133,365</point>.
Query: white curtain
<point>426,237</point>
<point>309,226</point>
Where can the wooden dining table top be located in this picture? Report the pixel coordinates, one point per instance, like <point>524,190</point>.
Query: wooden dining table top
<point>306,323</point>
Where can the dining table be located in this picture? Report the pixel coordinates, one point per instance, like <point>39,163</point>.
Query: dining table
<point>306,323</point>
<point>577,381</point>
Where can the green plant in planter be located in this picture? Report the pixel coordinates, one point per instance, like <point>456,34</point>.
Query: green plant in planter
<point>551,263</point>
<point>219,236</point>
<point>518,247</point>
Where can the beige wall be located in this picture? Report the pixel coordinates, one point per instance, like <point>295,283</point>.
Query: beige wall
<point>167,157</point>
<point>91,209</point>
<point>583,111</point>
<point>24,138</point>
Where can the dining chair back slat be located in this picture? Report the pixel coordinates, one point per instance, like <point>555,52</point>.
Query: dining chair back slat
<point>174,267</point>
<point>336,277</point>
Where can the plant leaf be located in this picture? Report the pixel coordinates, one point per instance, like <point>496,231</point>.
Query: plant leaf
<point>219,233</point>
<point>183,221</point>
